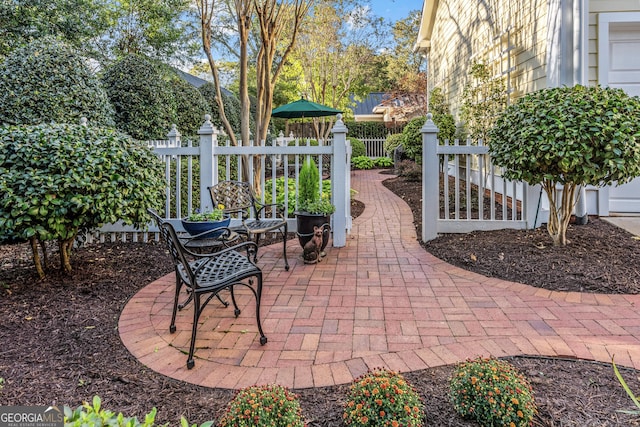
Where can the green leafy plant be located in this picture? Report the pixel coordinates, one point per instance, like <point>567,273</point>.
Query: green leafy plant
<point>383,398</point>
<point>626,388</point>
<point>492,392</point>
<point>567,137</point>
<point>383,162</point>
<point>215,215</point>
<point>412,138</point>
<point>392,142</point>
<point>309,198</point>
<point>357,147</point>
<point>93,415</point>
<point>47,81</point>
<point>59,179</point>
<point>362,162</point>
<point>265,405</point>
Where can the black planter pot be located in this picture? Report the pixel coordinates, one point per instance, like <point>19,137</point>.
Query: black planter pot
<point>307,221</point>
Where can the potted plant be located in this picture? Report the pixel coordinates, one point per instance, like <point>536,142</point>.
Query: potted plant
<point>199,222</point>
<point>314,209</point>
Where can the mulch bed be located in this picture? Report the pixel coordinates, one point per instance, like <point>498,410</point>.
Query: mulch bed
<point>60,343</point>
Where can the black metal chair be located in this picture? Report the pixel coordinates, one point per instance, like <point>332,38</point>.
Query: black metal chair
<point>257,218</point>
<point>205,275</point>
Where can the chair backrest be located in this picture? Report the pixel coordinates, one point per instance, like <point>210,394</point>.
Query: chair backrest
<point>235,196</point>
<point>176,250</point>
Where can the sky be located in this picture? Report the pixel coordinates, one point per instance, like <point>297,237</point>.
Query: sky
<point>395,9</point>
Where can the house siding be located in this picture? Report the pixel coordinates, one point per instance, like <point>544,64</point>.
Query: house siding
<point>508,36</point>
<point>597,7</point>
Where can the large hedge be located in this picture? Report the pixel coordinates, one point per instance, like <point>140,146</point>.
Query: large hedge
<point>231,103</point>
<point>142,97</point>
<point>57,180</point>
<point>191,106</point>
<point>47,82</point>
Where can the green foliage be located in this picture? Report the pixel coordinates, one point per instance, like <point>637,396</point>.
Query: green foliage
<point>309,181</point>
<point>412,138</point>
<point>74,21</point>
<point>492,392</point>
<point>263,406</point>
<point>59,179</point>
<point>366,129</point>
<point>483,101</point>
<point>570,136</point>
<point>142,99</point>
<point>322,205</point>
<point>93,415</point>
<point>362,162</point>
<point>383,162</point>
<point>231,103</point>
<point>191,106</point>
<point>626,388</point>
<point>383,398</point>
<point>215,215</point>
<point>357,147</point>
<point>446,127</point>
<point>392,142</point>
<point>47,82</point>
<point>584,135</point>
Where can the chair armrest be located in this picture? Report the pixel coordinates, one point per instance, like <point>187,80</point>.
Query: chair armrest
<point>249,246</point>
<point>278,206</point>
<point>226,232</point>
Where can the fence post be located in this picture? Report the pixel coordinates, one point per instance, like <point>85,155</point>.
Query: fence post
<point>174,137</point>
<point>339,189</point>
<point>430,180</point>
<point>208,167</point>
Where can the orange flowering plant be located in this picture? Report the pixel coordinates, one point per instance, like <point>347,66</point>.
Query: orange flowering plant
<point>383,398</point>
<point>263,406</point>
<point>493,393</point>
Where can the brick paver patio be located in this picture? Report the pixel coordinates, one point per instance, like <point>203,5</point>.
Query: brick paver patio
<point>381,301</point>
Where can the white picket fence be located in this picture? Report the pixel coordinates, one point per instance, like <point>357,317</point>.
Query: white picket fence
<point>475,195</point>
<point>280,161</point>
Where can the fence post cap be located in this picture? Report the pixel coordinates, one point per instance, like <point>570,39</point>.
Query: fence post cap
<point>339,125</point>
<point>207,127</point>
<point>173,132</point>
<point>429,125</point>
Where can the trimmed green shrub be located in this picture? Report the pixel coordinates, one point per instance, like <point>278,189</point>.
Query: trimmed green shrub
<point>446,127</point>
<point>383,398</point>
<point>568,137</point>
<point>231,103</point>
<point>493,393</point>
<point>191,106</point>
<point>141,96</point>
<point>57,180</point>
<point>412,138</point>
<point>362,162</point>
<point>263,406</point>
<point>47,82</point>
<point>357,147</point>
<point>392,142</point>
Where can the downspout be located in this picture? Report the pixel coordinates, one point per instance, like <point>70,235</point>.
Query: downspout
<point>580,76</point>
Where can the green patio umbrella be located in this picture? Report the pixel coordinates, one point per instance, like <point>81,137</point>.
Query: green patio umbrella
<point>303,108</point>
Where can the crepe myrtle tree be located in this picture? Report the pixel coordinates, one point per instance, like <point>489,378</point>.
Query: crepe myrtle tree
<point>60,179</point>
<point>565,137</point>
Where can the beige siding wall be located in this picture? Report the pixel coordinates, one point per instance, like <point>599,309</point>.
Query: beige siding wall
<point>597,7</point>
<point>508,35</point>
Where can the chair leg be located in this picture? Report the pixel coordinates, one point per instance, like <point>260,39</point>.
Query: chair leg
<point>258,294</point>
<point>284,247</point>
<point>172,326</point>
<point>236,310</point>
<point>194,329</point>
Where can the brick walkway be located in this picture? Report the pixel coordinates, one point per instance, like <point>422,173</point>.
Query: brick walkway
<point>380,301</point>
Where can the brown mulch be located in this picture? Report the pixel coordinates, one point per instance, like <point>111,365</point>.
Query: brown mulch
<point>59,345</point>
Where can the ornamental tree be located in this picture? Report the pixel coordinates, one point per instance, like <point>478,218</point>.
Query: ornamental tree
<point>57,180</point>
<point>566,137</point>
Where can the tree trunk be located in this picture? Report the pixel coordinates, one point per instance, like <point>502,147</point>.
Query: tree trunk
<point>559,216</point>
<point>65,254</point>
<point>36,256</point>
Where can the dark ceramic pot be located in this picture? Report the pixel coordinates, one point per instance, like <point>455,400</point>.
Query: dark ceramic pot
<point>306,222</point>
<point>197,227</point>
